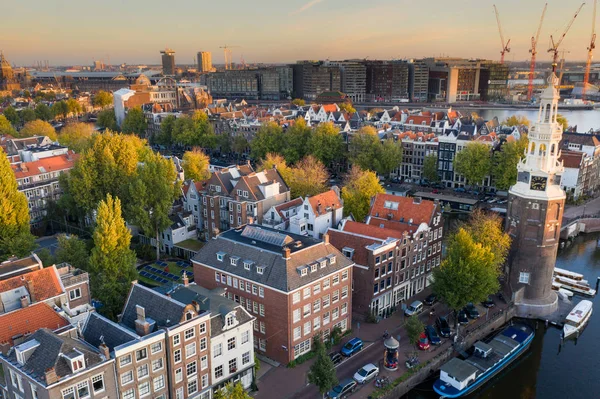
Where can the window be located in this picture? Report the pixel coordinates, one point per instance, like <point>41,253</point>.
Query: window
<point>177,356</point>
<point>191,369</point>
<point>255,307</point>
<point>74,294</point>
<point>345,291</point>
<point>203,344</point>
<point>124,360</point>
<point>98,383</point>
<point>262,309</point>
<point>217,350</point>
<point>260,269</point>
<point>141,354</point>
<point>307,327</point>
<point>306,293</point>
<point>218,372</point>
<point>317,306</point>
<point>296,297</point>
<point>317,323</point>
<point>344,308</point>
<point>247,265</point>
<point>335,279</point>
<point>306,310</point>
<point>83,390</point>
<point>157,364</point>
<point>254,289</point>
<point>335,314</point>
<point>313,267</point>
<point>178,374</point>
<point>261,292</point>
<point>297,333</point>
<point>345,275</point>
<point>302,348</point>
<point>231,343</point>
<point>202,328</point>
<point>325,318</point>
<point>245,337</point>
<point>332,260</point>
<point>129,394</point>
<point>156,347</point>
<point>524,278</point>
<point>142,371</point>
<point>245,358</point>
<point>192,386</point>
<point>263,328</point>
<point>176,340</point>
<point>316,289</point>
<point>204,381</point>
<point>179,393</point>
<point>296,315</point>
<point>234,260</point>
<point>158,383</point>
<point>144,389</point>
<point>232,366</point>
<point>220,256</point>
<point>335,296</point>
<point>127,377</point>
<point>190,350</point>
<point>325,301</point>
<point>68,393</point>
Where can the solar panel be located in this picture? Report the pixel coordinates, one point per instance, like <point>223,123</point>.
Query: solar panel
<point>267,236</point>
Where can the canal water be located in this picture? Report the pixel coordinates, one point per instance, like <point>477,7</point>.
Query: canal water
<point>549,370</point>
<point>584,119</point>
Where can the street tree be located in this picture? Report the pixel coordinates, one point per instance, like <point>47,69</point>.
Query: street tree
<point>195,164</point>
<point>347,107</point>
<point>6,127</point>
<point>12,115</point>
<point>151,194</point>
<point>240,144</point>
<point>102,99</point>
<point>296,141</point>
<point>135,122</point>
<point>326,143</point>
<point>278,162</point>
<point>27,115</point>
<point>364,148</point>
<point>299,102</point>
<point>60,109</point>
<point>322,372</point>
<point>562,121</point>
<point>359,187</point>
<point>74,251</point>
<point>309,177</point>
<point>505,162</point>
<point>268,139</point>
<point>516,120</point>
<point>108,120</point>
<point>15,235</point>
<point>74,107</point>
<point>76,136</point>
<point>224,142</point>
<point>430,168</point>
<point>165,135</point>
<point>43,112</point>
<point>389,156</point>
<point>473,162</point>
<point>112,262</point>
<point>194,131</point>
<point>486,229</point>
<point>414,328</point>
<point>232,391</point>
<point>38,128</point>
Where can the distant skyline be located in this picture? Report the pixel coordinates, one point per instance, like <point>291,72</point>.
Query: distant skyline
<point>270,31</point>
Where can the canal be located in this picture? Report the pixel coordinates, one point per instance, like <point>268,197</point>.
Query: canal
<point>549,370</point>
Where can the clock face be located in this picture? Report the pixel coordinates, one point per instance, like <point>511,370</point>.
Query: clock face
<point>538,183</point>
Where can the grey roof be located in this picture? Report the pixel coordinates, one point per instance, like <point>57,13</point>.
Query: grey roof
<point>279,273</point>
<point>99,330</point>
<point>459,369</point>
<point>166,312</point>
<point>49,354</point>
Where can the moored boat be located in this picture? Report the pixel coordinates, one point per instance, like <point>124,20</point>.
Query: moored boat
<point>577,318</point>
<point>461,377</point>
<point>568,274</point>
<point>581,287</point>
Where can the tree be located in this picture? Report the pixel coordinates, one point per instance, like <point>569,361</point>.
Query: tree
<point>135,122</point>
<point>194,131</point>
<point>74,251</point>
<point>414,329</point>
<point>240,144</point>
<point>15,236</point>
<point>309,177</point>
<point>360,186</point>
<point>224,142</point>
<point>27,115</point>
<point>505,162</point>
<point>60,109</point>
<point>430,168</point>
<point>347,107</point>
<point>473,162</point>
<point>268,139</point>
<point>46,257</point>
<point>112,262</point>
<point>389,156</point>
<point>326,143</point>
<point>195,165</point>
<point>562,121</point>
<point>74,107</point>
<point>12,115</point>
<point>364,147</point>
<point>76,136</point>
<point>322,371</point>
<point>43,112</point>
<point>277,161</point>
<point>516,120</point>
<point>232,391</point>
<point>296,141</point>
<point>6,127</point>
<point>486,229</point>
<point>151,194</point>
<point>38,128</point>
<point>298,102</point>
<point>102,99</point>
<point>108,120</point>
<point>165,135</point>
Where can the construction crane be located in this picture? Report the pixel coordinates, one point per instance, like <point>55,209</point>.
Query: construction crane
<point>590,49</point>
<point>554,45</point>
<point>505,46</point>
<point>227,54</point>
<point>562,65</point>
<point>533,52</point>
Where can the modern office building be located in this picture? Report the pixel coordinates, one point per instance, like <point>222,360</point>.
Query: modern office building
<point>387,81</point>
<point>354,78</point>
<point>168,62</point>
<point>312,78</point>
<point>205,61</point>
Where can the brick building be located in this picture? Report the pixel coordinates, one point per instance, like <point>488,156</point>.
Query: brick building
<point>386,81</point>
<point>296,286</point>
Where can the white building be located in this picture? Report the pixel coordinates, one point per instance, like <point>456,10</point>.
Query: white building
<point>317,214</point>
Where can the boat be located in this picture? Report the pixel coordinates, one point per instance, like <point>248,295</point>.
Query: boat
<point>577,318</point>
<point>580,287</point>
<point>557,287</point>
<point>462,377</point>
<point>568,274</point>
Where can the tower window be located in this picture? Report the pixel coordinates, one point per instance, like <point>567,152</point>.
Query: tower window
<point>524,278</point>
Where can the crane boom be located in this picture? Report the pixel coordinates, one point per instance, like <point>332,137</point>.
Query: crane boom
<point>505,46</point>
<point>227,54</point>
<point>590,49</point>
<point>555,45</point>
<point>533,52</point>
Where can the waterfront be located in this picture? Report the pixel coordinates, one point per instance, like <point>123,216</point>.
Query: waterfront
<point>584,119</point>
<point>549,370</point>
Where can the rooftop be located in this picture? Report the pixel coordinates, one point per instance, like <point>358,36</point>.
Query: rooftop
<point>99,330</point>
<point>269,239</point>
<point>28,320</point>
<point>45,283</point>
<point>397,208</point>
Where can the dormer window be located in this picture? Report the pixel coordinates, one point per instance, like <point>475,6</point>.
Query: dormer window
<point>323,263</point>
<point>220,256</point>
<point>230,320</point>
<point>234,260</point>
<point>245,194</point>
<point>247,264</point>
<point>313,268</point>
<point>332,260</point>
<point>260,269</point>
<point>348,252</point>
<point>304,271</point>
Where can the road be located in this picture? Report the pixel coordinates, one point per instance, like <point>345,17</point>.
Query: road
<point>49,242</point>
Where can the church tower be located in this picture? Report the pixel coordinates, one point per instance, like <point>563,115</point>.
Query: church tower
<point>8,81</point>
<point>535,209</point>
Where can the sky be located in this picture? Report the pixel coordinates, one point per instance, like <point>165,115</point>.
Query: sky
<point>66,32</point>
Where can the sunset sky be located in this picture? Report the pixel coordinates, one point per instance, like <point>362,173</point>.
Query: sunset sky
<point>66,32</point>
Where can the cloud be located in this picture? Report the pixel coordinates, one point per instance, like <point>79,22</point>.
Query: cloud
<point>305,7</point>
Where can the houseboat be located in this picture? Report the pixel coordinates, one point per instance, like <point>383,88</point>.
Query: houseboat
<point>578,286</point>
<point>577,318</point>
<point>568,274</point>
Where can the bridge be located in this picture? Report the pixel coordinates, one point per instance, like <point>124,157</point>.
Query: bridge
<point>571,227</point>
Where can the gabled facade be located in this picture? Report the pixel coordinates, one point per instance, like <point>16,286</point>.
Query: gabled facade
<point>317,214</point>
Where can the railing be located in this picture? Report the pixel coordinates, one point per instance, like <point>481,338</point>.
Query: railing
<point>569,221</point>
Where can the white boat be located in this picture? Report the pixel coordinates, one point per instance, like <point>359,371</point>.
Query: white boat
<point>580,287</point>
<point>566,293</point>
<point>577,318</point>
<point>568,274</point>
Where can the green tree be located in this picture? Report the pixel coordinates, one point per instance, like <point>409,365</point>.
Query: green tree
<point>38,128</point>
<point>359,187</point>
<point>232,391</point>
<point>364,148</point>
<point>326,143</point>
<point>73,107</point>
<point>15,236</point>
<point>108,120</point>
<point>112,262</point>
<point>224,142</point>
<point>486,229</point>
<point>6,127</point>
<point>240,144</point>
<point>194,131</point>
<point>46,257</point>
<point>322,372</point>
<point>299,102</point>
<point>473,162</point>
<point>309,177</point>
<point>27,115</point>
<point>152,193</point>
<point>102,99</point>
<point>277,161</point>
<point>505,162</point>
<point>135,122</point>
<point>414,329</point>
<point>296,141</point>
<point>76,136</point>
<point>389,156</point>
<point>516,120</point>
<point>430,168</point>
<point>60,109</point>
<point>165,135</point>
<point>12,115</point>
<point>195,164</point>
<point>562,121</point>
<point>268,139</point>
<point>43,112</point>
<point>74,251</point>
<point>347,107</point>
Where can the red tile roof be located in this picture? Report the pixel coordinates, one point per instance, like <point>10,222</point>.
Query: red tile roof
<point>330,107</point>
<point>287,205</point>
<point>28,320</point>
<point>46,283</point>
<point>392,225</point>
<point>408,208</point>
<point>326,200</point>
<point>50,164</point>
<point>571,159</point>
<point>419,120</point>
<point>371,230</point>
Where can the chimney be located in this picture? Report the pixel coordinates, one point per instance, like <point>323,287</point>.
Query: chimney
<point>24,301</point>
<point>104,350</point>
<point>326,238</point>
<point>286,252</point>
<point>30,287</point>
<point>50,376</point>
<point>142,327</point>
<point>185,279</point>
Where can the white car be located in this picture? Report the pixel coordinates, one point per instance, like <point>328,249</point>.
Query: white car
<point>366,373</point>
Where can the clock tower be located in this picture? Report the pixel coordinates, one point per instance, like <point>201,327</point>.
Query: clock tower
<point>535,210</point>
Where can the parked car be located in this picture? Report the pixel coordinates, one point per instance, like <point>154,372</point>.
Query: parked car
<point>430,300</point>
<point>366,373</point>
<point>351,347</point>
<point>343,389</point>
<point>443,327</point>
<point>460,190</point>
<point>432,334</point>
<point>423,342</point>
<point>336,358</point>
<point>472,311</point>
<point>435,191</point>
<point>414,308</point>
<point>462,317</point>
<point>488,303</point>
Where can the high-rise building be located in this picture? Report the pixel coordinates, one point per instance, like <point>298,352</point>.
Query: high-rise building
<point>535,210</point>
<point>204,61</point>
<point>354,79</point>
<point>386,81</point>
<point>168,61</point>
<point>418,80</point>
<point>8,81</point>
<point>493,81</point>
<point>312,78</point>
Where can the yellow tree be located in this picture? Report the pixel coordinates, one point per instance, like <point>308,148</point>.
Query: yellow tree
<point>195,164</point>
<point>76,136</point>
<point>360,186</point>
<point>277,161</point>
<point>309,177</point>
<point>38,128</point>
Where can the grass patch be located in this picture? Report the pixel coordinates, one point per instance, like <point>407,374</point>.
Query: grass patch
<point>191,244</point>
